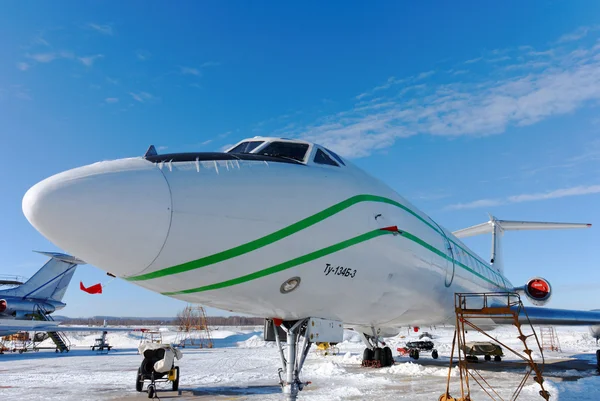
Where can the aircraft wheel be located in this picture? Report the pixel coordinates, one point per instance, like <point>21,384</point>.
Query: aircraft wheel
<point>434,354</point>
<point>487,357</point>
<point>368,354</point>
<point>378,355</point>
<point>497,358</point>
<point>388,356</point>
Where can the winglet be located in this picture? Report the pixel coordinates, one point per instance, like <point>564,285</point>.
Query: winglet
<point>151,151</point>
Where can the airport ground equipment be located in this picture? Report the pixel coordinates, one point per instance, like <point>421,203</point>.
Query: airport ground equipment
<point>150,337</point>
<point>413,349</point>
<point>484,348</point>
<point>60,340</point>
<point>324,349</point>
<point>472,311</point>
<point>549,339</point>
<point>101,343</point>
<point>158,366</point>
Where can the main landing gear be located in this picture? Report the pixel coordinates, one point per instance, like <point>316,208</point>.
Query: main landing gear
<point>375,356</point>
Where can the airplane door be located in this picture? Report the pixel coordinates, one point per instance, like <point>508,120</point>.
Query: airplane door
<point>450,267</point>
<point>451,253</point>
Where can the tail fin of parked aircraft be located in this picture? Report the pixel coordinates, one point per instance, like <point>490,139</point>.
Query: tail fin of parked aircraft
<point>50,281</point>
<point>497,227</point>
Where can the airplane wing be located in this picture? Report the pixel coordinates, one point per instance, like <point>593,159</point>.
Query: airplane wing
<point>554,317</point>
<point>13,326</point>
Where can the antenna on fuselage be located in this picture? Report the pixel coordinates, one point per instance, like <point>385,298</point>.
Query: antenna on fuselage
<point>497,227</point>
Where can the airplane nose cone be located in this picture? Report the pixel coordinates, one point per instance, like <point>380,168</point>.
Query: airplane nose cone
<point>114,215</point>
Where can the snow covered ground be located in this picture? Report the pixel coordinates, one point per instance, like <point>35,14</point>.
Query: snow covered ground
<point>242,366</point>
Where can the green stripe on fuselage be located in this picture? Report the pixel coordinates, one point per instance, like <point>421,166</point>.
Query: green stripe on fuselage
<point>323,252</point>
<point>292,229</point>
<point>289,264</point>
<point>271,238</point>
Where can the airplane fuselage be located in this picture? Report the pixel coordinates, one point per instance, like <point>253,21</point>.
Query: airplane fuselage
<point>229,233</point>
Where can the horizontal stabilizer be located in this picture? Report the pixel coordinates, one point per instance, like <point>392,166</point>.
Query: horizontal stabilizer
<point>553,317</point>
<point>63,257</point>
<point>511,225</point>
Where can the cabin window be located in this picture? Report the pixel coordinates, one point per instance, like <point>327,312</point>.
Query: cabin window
<point>290,150</point>
<point>246,147</point>
<point>335,156</point>
<point>322,158</point>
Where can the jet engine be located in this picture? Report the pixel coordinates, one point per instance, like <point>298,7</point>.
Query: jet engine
<point>3,305</point>
<point>538,291</point>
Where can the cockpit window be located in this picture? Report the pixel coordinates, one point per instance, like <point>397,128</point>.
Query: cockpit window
<point>339,159</point>
<point>322,158</point>
<point>246,147</point>
<point>290,150</point>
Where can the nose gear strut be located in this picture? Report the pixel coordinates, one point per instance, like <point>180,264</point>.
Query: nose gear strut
<point>292,366</point>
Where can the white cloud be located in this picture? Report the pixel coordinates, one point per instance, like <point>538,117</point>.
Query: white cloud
<point>23,66</point>
<point>89,60</point>
<point>112,81</point>
<point>103,29</point>
<point>142,96</point>
<point>43,57</point>
<point>577,34</point>
<point>547,53</point>
<point>111,100</point>
<point>210,64</point>
<point>474,60</point>
<point>498,59</point>
<point>190,71</point>
<point>558,193</point>
<point>424,75</point>
<point>518,94</point>
<point>206,142</point>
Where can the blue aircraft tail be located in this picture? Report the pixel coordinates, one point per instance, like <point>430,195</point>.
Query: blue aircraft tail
<point>51,281</point>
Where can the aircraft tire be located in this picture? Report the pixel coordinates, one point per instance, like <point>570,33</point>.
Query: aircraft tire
<point>434,354</point>
<point>368,354</point>
<point>388,356</point>
<point>378,355</point>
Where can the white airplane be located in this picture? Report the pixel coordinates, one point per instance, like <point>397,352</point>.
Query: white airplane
<point>283,229</point>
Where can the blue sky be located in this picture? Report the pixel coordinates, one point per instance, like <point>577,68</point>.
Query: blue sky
<point>462,108</point>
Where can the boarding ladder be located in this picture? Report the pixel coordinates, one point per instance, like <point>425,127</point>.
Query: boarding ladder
<point>491,308</point>
<point>62,342</point>
<point>550,339</point>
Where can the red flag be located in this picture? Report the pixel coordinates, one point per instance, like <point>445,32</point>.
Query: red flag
<point>95,289</point>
